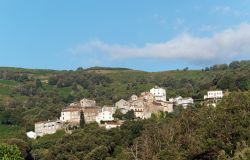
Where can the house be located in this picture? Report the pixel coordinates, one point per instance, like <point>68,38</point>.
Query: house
<point>214,95</point>
<point>87,103</point>
<point>45,81</point>
<point>164,106</point>
<point>75,104</point>
<point>71,115</point>
<point>158,106</point>
<point>123,106</point>
<point>47,127</point>
<point>31,135</point>
<point>159,93</point>
<point>138,108</point>
<point>133,98</point>
<point>90,113</point>
<point>147,96</point>
<point>109,109</point>
<point>182,101</point>
<point>105,115</point>
<point>112,124</point>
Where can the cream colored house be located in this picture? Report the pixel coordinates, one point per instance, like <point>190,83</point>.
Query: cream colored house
<point>47,127</point>
<point>159,93</point>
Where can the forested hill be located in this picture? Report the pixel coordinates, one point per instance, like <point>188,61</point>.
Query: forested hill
<point>30,95</point>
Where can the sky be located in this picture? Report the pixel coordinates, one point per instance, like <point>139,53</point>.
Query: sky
<point>149,35</point>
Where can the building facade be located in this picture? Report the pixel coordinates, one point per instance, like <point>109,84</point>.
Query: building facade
<point>90,113</point>
<point>71,115</point>
<point>138,107</point>
<point>87,103</point>
<point>47,127</point>
<point>159,93</point>
<point>182,101</point>
<point>123,106</point>
<point>214,95</point>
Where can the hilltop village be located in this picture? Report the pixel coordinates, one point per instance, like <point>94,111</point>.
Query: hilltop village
<point>137,107</point>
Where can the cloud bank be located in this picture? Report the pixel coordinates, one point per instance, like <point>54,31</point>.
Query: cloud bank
<point>225,45</point>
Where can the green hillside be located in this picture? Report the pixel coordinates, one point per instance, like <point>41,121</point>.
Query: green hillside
<point>30,95</point>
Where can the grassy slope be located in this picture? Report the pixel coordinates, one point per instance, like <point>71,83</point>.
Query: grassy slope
<point>118,75</point>
<point>7,132</point>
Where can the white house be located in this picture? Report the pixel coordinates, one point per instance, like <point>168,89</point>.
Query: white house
<point>31,135</point>
<point>182,101</point>
<point>47,127</point>
<point>112,124</point>
<point>70,114</point>
<point>105,115</point>
<point>214,95</point>
<point>133,97</point>
<point>159,93</point>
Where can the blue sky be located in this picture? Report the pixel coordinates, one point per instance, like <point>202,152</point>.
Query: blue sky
<point>150,35</point>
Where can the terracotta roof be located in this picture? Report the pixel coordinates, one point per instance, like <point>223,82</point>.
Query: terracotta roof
<point>49,121</point>
<point>71,109</point>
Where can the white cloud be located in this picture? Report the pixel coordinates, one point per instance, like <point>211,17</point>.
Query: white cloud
<point>221,46</point>
<point>227,10</point>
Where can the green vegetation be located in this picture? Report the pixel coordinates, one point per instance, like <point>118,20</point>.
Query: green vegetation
<point>28,96</point>
<point>9,131</point>
<point>8,152</point>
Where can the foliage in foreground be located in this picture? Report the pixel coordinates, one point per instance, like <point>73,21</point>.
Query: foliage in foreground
<point>10,152</point>
<point>195,133</point>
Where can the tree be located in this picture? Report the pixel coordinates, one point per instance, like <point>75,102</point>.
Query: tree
<point>130,115</point>
<point>207,69</point>
<point>39,83</point>
<point>185,69</point>
<point>234,65</point>
<point>118,114</point>
<point>53,80</point>
<point>10,152</point>
<point>79,69</point>
<point>82,119</point>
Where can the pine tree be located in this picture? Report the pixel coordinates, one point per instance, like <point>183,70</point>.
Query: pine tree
<point>82,120</point>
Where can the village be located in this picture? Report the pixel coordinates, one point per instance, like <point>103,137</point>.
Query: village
<point>143,106</point>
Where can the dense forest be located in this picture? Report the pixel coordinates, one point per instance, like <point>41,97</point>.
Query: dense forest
<point>198,132</point>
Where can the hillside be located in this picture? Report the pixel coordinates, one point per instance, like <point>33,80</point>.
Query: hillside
<point>30,95</point>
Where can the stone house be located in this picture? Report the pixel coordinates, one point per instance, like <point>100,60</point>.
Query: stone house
<point>138,107</point>
<point>90,113</point>
<point>47,127</point>
<point>87,103</point>
<point>123,106</point>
